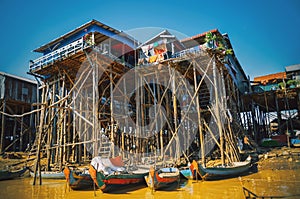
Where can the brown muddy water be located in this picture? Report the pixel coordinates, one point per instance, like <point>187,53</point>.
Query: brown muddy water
<point>269,182</point>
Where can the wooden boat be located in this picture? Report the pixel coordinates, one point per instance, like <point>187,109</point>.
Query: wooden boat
<point>295,142</point>
<point>185,173</point>
<point>117,180</point>
<point>50,175</point>
<point>221,171</point>
<point>163,178</point>
<point>78,182</point>
<point>7,175</point>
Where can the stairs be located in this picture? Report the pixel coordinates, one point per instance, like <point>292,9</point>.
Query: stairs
<point>104,150</point>
<point>204,96</point>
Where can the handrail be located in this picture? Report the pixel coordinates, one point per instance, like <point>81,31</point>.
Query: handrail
<point>69,50</point>
<point>182,53</point>
<point>58,54</point>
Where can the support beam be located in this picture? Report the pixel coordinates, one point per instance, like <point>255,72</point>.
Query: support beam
<point>2,126</point>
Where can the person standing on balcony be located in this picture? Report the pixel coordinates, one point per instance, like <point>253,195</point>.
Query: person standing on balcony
<point>85,38</point>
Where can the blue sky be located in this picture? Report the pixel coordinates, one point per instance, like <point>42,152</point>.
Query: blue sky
<point>264,33</point>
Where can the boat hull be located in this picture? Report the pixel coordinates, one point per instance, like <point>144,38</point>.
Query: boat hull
<point>295,142</point>
<point>235,169</point>
<point>8,175</point>
<point>165,178</point>
<point>186,174</point>
<point>117,182</point>
<point>78,182</point>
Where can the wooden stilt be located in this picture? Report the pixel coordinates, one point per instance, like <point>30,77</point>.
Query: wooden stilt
<point>39,138</point>
<point>199,119</point>
<point>3,126</point>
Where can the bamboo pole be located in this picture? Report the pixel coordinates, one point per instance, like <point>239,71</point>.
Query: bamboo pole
<point>21,130</point>
<point>49,140</point>
<point>144,97</point>
<point>159,99</point>
<point>62,128</point>
<point>80,126</point>
<point>126,122</point>
<point>58,127</point>
<point>217,114</point>
<point>85,129</point>
<point>199,119</point>
<point>39,137</point>
<point>2,126</point>
<point>15,129</point>
<point>177,146</point>
<point>96,103</point>
<point>111,113</point>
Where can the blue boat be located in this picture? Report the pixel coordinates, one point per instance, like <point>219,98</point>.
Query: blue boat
<point>295,142</point>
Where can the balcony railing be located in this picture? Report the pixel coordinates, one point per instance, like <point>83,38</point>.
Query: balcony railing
<point>194,50</point>
<point>58,54</point>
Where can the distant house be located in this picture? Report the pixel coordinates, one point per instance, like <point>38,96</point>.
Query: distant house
<point>288,79</point>
<point>17,95</point>
<point>269,82</point>
<point>293,72</point>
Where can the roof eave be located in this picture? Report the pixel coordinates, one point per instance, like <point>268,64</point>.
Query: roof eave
<point>82,27</point>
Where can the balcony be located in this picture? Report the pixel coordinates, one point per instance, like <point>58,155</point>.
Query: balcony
<point>59,54</point>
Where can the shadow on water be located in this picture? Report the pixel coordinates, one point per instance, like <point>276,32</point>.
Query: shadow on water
<point>122,189</point>
<point>273,181</point>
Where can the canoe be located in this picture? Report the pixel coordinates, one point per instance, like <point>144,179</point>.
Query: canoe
<point>78,182</point>
<point>117,181</point>
<point>295,142</point>
<point>50,175</point>
<point>7,175</point>
<point>222,171</point>
<point>163,178</point>
<point>186,174</point>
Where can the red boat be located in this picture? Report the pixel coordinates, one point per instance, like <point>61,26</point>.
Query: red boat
<point>164,178</point>
<point>78,182</point>
<point>119,180</point>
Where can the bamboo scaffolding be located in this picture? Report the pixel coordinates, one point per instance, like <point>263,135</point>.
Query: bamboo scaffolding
<point>76,110</point>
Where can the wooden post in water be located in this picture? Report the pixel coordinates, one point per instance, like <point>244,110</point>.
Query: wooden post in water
<point>21,131</point>
<point>50,129</point>
<point>175,133</point>
<point>199,118</point>
<point>39,138</point>
<point>112,150</point>
<point>217,111</point>
<point>2,126</point>
<point>15,126</point>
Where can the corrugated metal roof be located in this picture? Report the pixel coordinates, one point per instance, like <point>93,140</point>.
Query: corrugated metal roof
<point>199,35</point>
<point>81,28</point>
<point>267,78</point>
<point>292,68</point>
<point>149,41</point>
<point>156,37</point>
<point>18,77</point>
